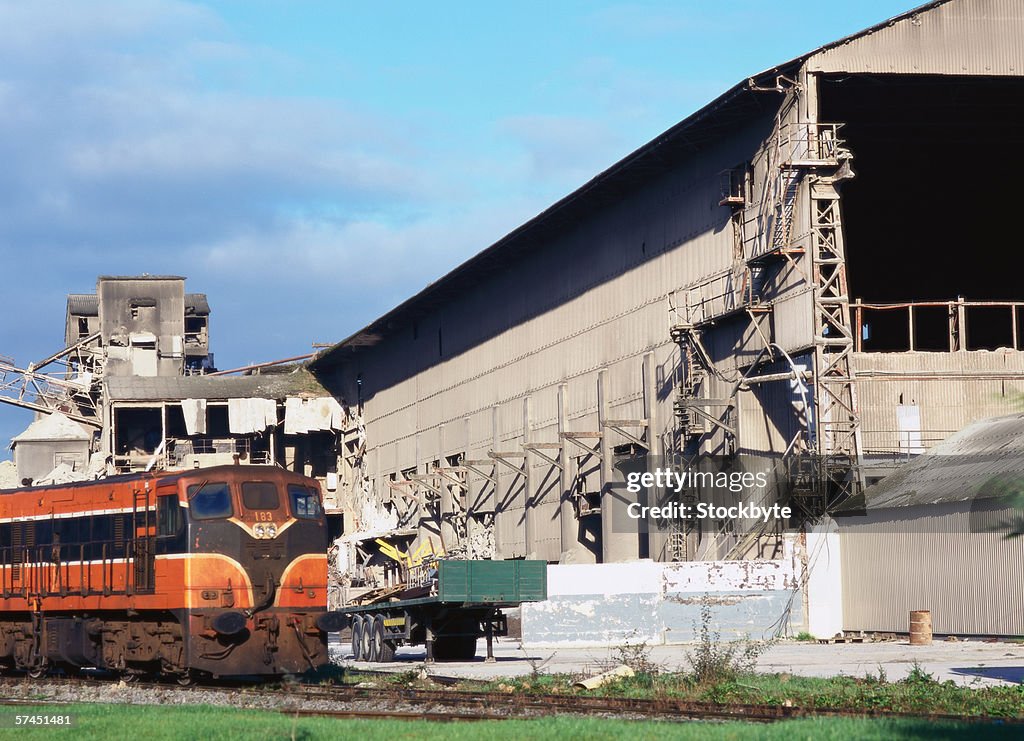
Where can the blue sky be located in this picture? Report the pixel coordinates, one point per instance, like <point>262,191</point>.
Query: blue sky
<point>308,165</point>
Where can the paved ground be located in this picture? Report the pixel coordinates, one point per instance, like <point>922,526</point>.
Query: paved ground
<point>965,662</point>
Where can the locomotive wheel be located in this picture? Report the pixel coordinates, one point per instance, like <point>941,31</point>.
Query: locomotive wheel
<point>375,630</point>
<point>357,638</point>
<point>38,672</point>
<point>185,680</point>
<point>385,648</point>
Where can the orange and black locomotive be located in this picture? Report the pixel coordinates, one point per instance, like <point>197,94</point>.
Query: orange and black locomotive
<point>207,572</point>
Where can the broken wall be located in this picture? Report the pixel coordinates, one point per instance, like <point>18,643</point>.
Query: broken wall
<point>142,321</point>
<point>660,603</point>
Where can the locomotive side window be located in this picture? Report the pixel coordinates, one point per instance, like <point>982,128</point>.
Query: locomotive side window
<point>305,502</point>
<point>210,500</point>
<point>260,495</point>
<point>168,516</point>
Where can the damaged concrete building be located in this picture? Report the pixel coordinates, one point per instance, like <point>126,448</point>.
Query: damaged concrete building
<point>812,270</point>
<point>136,388</point>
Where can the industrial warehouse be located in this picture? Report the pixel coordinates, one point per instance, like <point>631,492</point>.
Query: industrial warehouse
<point>812,270</point>
<point>808,282</point>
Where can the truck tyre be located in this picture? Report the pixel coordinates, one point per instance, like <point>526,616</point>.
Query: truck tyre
<point>373,638</point>
<point>385,648</point>
<point>366,638</point>
<point>357,638</point>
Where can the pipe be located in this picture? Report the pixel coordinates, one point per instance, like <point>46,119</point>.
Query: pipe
<point>262,365</point>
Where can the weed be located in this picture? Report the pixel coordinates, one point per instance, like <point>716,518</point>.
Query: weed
<point>803,635</point>
<point>918,675</point>
<point>536,664</point>
<point>408,677</point>
<point>882,677</point>
<point>716,661</point>
<point>637,656</point>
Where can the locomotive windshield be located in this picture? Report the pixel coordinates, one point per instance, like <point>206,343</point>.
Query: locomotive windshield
<point>210,500</point>
<point>260,495</point>
<point>305,502</point>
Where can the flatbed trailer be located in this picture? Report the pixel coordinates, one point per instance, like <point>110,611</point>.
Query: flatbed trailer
<point>461,602</point>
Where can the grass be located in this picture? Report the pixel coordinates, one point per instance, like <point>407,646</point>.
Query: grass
<point>919,693</point>
<point>164,723</point>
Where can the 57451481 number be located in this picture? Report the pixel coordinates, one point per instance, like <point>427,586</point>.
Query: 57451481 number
<point>36,720</point>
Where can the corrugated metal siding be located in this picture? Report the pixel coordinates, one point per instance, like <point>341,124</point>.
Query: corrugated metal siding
<point>962,37</point>
<point>596,298</point>
<point>934,558</point>
<point>793,321</point>
<point>951,389</point>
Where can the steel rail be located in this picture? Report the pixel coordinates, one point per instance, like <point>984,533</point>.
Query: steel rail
<point>452,705</point>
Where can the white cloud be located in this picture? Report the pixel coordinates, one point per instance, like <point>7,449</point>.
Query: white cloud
<point>131,144</point>
<point>567,150</point>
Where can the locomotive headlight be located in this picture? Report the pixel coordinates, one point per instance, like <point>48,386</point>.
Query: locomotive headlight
<point>260,531</point>
<point>271,530</point>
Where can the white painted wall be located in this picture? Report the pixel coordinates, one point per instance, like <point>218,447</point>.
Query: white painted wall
<point>824,590</point>
<point>658,603</point>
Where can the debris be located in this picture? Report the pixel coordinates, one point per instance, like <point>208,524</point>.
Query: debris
<point>601,679</point>
<point>8,475</point>
<point>842,639</point>
<point>62,474</point>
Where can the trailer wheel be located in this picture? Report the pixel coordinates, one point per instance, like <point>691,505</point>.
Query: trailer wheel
<point>385,648</point>
<point>374,638</point>
<point>366,638</point>
<point>357,638</point>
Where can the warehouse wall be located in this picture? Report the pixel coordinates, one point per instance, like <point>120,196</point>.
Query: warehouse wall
<point>949,391</point>
<point>593,296</point>
<point>946,558</point>
<point>980,37</point>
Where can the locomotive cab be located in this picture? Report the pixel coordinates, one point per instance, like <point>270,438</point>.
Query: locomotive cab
<point>257,543</point>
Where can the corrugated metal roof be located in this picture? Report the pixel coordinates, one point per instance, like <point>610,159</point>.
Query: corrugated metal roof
<point>88,304</point>
<point>985,460</point>
<point>196,303</point>
<point>708,124</point>
<point>83,304</point>
<point>217,388</point>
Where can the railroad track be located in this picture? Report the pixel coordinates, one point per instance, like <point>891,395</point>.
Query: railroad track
<point>344,701</point>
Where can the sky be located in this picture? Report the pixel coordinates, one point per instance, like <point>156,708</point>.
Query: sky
<point>311,164</point>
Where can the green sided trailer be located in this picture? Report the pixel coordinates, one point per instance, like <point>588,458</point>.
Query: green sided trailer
<point>463,604</point>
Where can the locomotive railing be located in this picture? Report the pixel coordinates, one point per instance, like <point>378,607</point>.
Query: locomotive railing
<point>45,571</point>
